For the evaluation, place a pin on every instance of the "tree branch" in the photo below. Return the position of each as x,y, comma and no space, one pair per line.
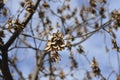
5,68
37,68
25,22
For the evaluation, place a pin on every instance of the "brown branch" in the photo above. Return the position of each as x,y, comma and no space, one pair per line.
25,22
1,67
30,36
5,68
51,70
40,63
89,34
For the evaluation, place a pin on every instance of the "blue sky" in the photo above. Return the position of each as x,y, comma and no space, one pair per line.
94,47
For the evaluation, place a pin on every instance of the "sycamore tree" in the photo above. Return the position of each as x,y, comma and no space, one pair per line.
51,30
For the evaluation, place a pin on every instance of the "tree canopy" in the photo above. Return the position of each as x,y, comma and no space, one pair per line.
59,40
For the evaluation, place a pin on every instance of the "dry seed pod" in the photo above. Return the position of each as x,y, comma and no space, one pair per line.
5,12
74,12
59,11
68,16
80,49
56,42
47,21
17,25
45,5
102,10
96,25
58,24
89,75
76,20
92,9
63,18
30,7
62,74
68,6
74,63
92,3
95,68
41,14
22,4
55,57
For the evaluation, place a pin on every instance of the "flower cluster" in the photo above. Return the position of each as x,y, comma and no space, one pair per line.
116,16
55,44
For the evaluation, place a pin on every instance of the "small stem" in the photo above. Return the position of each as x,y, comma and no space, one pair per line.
118,59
